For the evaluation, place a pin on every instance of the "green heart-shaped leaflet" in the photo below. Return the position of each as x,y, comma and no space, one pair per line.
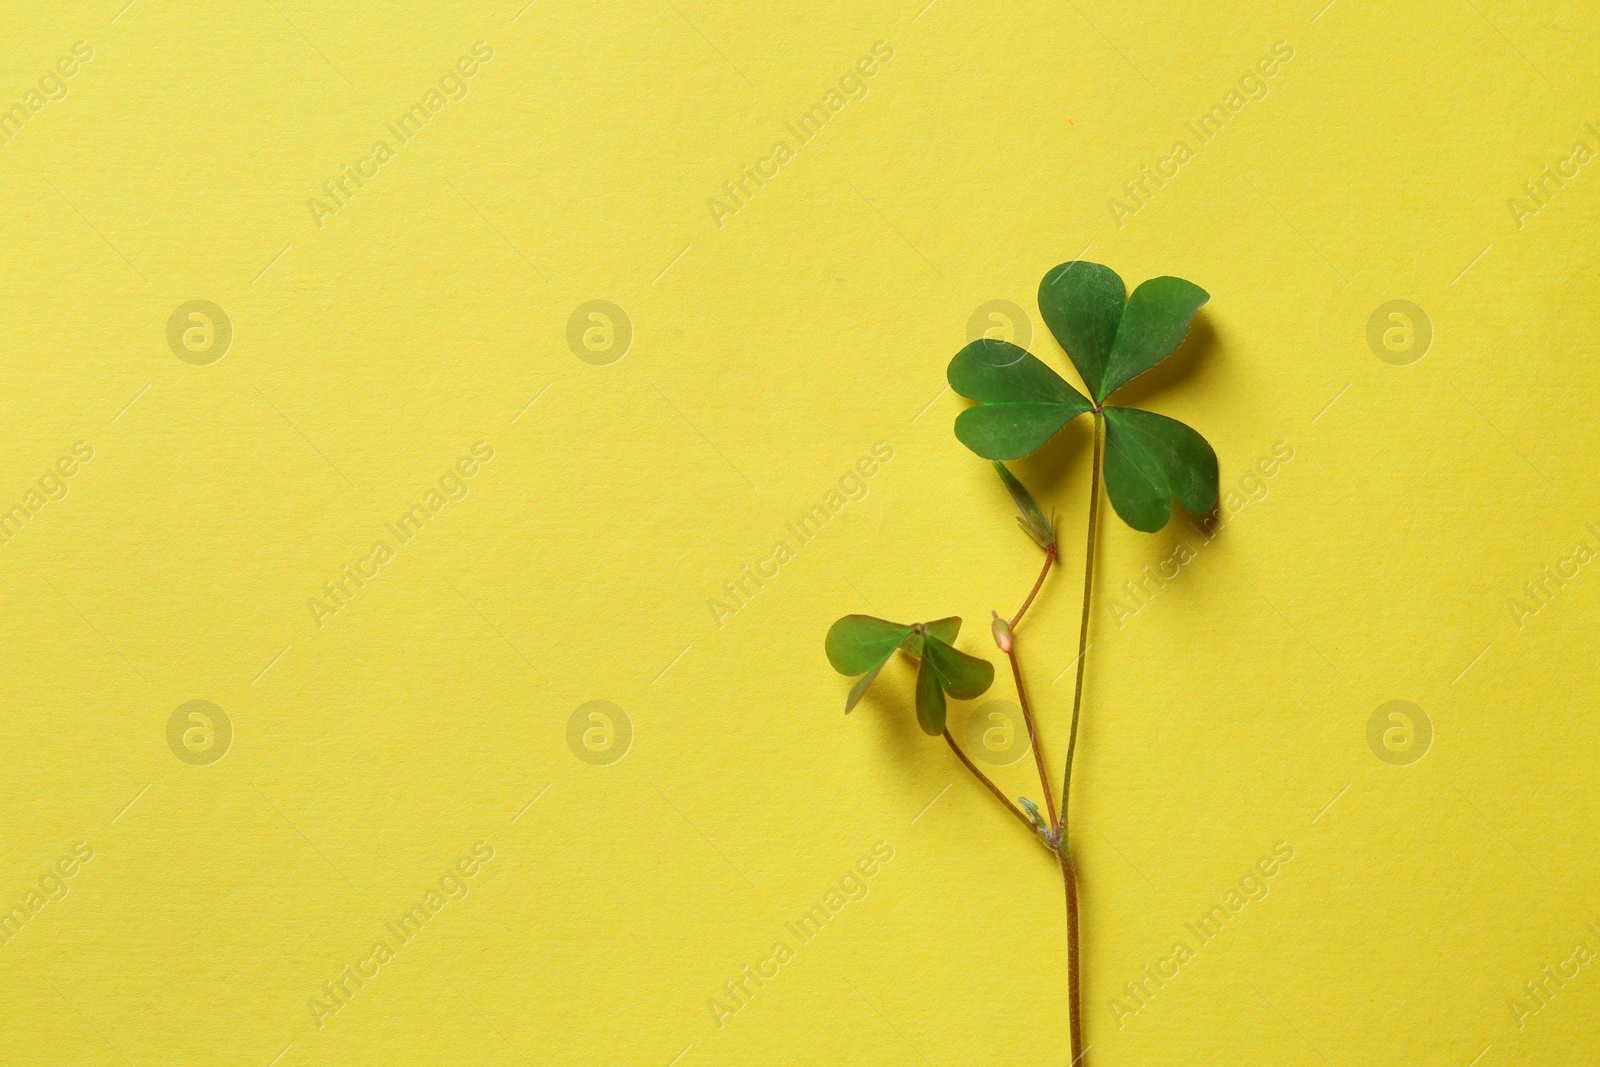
1149,460
1022,402
930,700
1082,304
1155,321
946,669
862,644
1109,338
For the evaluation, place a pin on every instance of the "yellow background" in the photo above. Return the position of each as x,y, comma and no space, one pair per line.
769,354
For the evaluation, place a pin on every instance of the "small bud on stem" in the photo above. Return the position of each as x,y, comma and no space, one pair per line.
1030,516
1002,633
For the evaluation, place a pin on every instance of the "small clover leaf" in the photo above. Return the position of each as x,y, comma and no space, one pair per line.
1111,338
943,629
862,644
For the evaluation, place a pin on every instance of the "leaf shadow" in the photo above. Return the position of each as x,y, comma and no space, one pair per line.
1189,363
1046,471
893,697
1066,457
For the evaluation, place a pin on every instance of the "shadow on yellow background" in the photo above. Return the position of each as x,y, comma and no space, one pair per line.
394,393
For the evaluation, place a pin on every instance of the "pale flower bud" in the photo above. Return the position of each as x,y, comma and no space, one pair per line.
1002,633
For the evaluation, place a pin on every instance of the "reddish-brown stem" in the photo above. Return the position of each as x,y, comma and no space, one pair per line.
1022,692
1033,736
984,778
1049,558
1074,1013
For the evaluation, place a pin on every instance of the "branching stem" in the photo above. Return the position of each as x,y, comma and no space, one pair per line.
1049,558
1033,739
1022,692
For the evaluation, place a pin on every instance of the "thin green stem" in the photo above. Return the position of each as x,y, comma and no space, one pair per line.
984,778
1083,628
1069,877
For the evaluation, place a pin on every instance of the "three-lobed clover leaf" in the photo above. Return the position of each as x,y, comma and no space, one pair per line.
862,644
1111,338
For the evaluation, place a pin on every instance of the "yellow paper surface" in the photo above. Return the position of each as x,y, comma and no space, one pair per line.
398,347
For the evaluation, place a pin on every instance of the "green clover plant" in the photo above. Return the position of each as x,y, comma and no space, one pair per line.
1111,338
861,644
1147,461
